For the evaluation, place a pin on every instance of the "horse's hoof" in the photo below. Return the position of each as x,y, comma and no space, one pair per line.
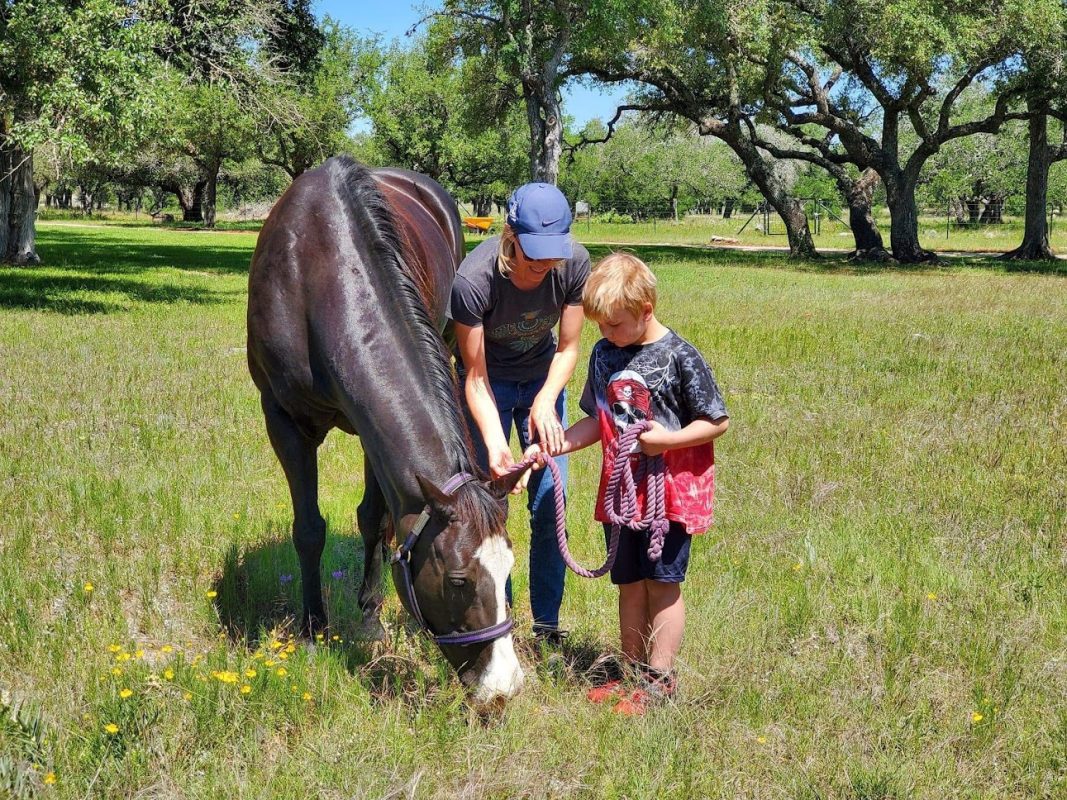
371,630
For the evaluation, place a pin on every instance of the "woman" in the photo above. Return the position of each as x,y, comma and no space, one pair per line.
509,295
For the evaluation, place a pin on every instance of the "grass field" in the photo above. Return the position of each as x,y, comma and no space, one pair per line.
880,611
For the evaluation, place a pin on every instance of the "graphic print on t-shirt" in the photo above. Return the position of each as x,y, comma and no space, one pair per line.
668,382
629,400
530,330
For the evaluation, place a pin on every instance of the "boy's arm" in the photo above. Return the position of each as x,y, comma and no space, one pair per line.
578,436
699,431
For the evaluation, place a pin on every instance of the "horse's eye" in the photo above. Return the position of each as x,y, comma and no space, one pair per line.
457,580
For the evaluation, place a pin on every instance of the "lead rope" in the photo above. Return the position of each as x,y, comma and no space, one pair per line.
620,506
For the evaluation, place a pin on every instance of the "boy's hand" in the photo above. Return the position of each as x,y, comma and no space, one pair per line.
655,441
536,452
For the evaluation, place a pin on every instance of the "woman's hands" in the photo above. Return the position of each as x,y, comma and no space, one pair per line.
546,425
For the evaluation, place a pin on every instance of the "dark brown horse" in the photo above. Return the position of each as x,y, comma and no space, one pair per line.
346,299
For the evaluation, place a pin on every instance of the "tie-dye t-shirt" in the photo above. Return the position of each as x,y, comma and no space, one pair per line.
667,381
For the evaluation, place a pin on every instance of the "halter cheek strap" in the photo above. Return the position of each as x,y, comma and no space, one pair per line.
402,558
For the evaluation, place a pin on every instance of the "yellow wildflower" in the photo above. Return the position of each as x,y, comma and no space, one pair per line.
245,689
275,645
211,594
290,648
187,696
88,589
307,695
931,595
761,739
977,717
283,655
168,674
111,728
797,567
281,672
225,676
126,693
250,673
114,648
139,654
122,657
50,778
166,649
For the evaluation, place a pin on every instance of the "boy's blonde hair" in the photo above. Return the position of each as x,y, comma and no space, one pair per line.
618,281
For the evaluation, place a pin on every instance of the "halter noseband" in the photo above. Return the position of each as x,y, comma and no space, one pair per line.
402,557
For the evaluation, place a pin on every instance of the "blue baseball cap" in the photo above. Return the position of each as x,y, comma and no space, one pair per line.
541,217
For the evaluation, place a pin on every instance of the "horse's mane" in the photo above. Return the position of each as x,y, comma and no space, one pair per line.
372,215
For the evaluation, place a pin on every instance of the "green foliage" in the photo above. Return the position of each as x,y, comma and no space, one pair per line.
423,118
72,74
642,167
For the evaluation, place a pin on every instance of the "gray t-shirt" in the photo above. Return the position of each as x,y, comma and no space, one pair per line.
520,337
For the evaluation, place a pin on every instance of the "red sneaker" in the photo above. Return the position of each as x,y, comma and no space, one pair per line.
633,705
605,691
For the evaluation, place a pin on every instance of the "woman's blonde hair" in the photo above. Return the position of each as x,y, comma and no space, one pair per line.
618,281
506,251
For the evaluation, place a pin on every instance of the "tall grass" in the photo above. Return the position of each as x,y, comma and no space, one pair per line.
880,611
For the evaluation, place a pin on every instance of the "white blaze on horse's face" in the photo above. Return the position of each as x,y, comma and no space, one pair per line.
503,674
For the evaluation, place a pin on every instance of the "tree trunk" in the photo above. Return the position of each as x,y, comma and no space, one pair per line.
1035,245
769,183
546,133
483,206
210,195
728,208
18,210
189,200
904,226
859,194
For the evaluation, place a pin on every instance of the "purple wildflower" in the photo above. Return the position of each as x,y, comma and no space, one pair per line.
338,574
286,578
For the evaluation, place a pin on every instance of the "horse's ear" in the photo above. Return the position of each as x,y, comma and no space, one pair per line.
436,499
500,488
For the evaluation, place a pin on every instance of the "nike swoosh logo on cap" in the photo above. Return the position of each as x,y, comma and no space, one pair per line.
546,222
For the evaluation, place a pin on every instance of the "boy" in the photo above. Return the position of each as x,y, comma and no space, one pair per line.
641,370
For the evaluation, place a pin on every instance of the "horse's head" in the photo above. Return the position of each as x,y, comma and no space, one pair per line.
459,565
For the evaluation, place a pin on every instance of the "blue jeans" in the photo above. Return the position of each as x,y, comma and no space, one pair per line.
547,570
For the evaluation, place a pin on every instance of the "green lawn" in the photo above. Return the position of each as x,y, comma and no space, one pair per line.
880,611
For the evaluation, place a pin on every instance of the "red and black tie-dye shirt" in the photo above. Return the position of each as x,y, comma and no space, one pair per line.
667,381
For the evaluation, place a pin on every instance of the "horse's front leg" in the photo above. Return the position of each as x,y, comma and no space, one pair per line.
371,518
298,455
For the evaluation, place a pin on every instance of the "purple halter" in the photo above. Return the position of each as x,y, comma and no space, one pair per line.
402,558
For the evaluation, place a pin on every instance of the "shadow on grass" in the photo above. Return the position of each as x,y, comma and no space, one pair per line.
40,288
697,256
259,596
103,251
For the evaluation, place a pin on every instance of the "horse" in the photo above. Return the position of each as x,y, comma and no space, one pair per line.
347,292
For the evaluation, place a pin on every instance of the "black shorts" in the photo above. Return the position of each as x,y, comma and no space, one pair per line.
632,563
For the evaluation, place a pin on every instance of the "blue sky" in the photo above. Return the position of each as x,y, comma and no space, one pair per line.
393,18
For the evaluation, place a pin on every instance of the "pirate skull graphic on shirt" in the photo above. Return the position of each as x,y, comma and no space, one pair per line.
629,399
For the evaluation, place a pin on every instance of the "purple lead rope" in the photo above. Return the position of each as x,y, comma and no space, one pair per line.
620,503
